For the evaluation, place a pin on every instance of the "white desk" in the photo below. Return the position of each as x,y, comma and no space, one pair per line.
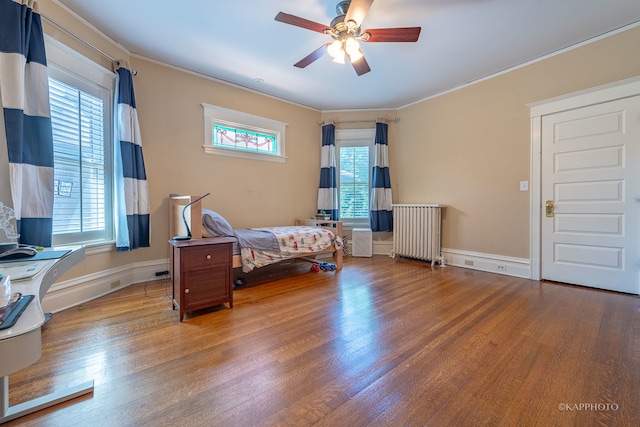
21,345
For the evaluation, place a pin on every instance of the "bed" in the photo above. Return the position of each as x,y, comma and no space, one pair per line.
258,247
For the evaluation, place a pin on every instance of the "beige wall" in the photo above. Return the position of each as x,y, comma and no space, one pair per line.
470,148
467,149
248,193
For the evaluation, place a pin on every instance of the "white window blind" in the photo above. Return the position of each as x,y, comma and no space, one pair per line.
81,98
354,157
77,120
354,182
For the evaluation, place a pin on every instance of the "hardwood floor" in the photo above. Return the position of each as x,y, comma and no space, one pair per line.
382,342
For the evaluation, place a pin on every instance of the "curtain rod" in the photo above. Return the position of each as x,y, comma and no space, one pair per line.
83,41
322,122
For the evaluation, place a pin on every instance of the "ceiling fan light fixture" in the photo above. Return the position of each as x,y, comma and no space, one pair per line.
355,56
335,49
351,45
339,58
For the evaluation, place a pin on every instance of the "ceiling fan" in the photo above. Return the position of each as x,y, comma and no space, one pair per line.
346,33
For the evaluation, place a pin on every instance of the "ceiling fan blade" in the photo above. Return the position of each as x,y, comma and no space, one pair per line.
357,10
301,22
316,54
409,34
361,66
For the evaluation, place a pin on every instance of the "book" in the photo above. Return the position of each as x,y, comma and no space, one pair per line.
11,312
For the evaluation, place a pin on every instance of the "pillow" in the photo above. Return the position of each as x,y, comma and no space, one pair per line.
215,223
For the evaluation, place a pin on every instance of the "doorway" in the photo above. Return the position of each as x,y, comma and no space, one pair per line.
585,201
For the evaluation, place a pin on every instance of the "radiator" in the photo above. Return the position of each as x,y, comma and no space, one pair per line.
417,232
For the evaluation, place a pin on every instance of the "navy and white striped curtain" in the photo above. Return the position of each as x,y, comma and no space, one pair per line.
132,193
328,191
381,212
24,89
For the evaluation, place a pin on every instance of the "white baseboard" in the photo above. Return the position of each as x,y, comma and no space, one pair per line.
382,247
510,266
517,267
70,293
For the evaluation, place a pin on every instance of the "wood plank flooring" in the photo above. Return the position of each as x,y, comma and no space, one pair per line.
380,343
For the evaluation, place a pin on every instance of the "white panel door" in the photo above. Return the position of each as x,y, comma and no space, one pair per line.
591,176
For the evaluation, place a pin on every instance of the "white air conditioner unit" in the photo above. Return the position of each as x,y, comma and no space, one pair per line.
361,242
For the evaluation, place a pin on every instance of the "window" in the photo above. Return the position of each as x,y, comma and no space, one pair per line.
355,158
354,182
243,139
236,134
81,121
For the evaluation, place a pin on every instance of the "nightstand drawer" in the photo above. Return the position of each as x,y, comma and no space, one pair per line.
205,256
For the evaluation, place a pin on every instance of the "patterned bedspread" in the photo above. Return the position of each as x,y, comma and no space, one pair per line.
294,241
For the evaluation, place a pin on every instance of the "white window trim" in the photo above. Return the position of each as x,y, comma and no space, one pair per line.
78,65
63,59
356,137
224,116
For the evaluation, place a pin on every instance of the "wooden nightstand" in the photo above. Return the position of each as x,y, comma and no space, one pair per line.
202,273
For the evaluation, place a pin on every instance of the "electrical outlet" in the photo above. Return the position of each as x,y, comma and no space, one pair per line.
468,262
501,267
115,284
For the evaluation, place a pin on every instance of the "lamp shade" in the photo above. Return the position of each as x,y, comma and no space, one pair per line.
335,48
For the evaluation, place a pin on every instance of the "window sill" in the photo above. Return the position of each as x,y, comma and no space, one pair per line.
243,154
350,225
99,247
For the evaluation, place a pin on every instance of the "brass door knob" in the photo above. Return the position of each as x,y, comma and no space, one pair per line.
548,206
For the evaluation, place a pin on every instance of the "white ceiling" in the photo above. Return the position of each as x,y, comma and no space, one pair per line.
238,41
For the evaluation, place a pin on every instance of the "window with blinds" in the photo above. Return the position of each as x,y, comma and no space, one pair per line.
354,182
354,155
81,104
80,145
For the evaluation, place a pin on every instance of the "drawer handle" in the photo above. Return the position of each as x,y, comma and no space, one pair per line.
208,256
186,291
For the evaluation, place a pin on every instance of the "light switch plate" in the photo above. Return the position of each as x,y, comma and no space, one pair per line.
524,185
